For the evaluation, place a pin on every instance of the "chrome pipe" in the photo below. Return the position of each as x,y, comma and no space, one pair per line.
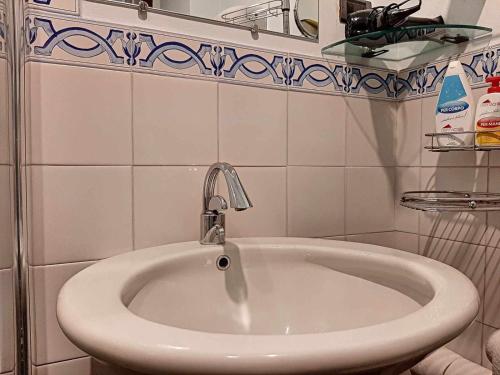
285,7
16,45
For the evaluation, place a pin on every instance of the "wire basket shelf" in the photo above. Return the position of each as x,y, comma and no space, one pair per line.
472,145
253,13
451,201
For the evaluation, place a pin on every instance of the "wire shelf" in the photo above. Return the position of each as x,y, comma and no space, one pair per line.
472,145
252,13
450,201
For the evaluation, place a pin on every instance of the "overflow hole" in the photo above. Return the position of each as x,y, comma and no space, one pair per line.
223,262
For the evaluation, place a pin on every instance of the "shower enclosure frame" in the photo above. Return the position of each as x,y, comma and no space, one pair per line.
15,51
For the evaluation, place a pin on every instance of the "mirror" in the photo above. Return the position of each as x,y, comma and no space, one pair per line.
306,18
289,17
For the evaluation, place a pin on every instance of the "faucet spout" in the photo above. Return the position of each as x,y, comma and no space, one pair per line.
212,216
238,197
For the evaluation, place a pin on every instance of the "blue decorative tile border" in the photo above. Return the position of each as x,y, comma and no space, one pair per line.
72,40
427,80
239,64
344,79
58,38
69,40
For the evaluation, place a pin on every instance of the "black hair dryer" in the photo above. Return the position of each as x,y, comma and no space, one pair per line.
381,18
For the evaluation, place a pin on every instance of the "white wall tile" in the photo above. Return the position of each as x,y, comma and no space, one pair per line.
396,240
406,242
79,213
371,128
469,343
444,159
461,226
407,179
6,218
492,285
7,332
81,366
494,158
467,258
175,121
102,368
369,200
380,239
167,204
487,332
252,125
79,115
315,201
266,187
50,343
5,147
408,145
316,129
492,236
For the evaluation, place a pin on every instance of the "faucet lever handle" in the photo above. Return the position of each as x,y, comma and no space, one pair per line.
217,203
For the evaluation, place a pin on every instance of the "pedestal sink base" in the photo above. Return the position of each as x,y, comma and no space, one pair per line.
101,368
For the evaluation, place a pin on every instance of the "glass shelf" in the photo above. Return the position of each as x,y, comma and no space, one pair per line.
401,43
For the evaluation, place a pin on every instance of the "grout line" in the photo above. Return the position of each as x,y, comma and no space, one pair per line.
218,121
346,126
287,145
455,241
419,214
78,262
63,361
132,112
489,325
377,232
406,232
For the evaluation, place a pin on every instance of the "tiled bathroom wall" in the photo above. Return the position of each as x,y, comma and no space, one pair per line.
123,122
119,141
468,242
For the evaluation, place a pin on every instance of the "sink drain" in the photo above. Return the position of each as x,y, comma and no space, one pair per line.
223,263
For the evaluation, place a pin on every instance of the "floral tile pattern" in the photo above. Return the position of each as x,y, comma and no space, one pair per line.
253,66
427,80
66,40
118,47
339,78
169,54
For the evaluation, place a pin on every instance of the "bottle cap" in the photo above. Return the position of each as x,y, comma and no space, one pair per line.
495,84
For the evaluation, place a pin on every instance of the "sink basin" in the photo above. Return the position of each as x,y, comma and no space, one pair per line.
265,306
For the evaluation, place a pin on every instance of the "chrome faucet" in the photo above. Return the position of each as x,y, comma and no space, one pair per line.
213,218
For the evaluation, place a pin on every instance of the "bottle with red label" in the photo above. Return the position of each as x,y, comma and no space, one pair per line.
488,115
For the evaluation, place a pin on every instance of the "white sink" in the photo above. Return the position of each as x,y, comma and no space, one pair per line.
284,306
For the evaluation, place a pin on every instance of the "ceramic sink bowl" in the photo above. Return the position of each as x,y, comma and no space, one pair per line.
268,306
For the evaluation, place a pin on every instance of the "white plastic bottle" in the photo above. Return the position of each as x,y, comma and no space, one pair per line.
455,109
488,115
